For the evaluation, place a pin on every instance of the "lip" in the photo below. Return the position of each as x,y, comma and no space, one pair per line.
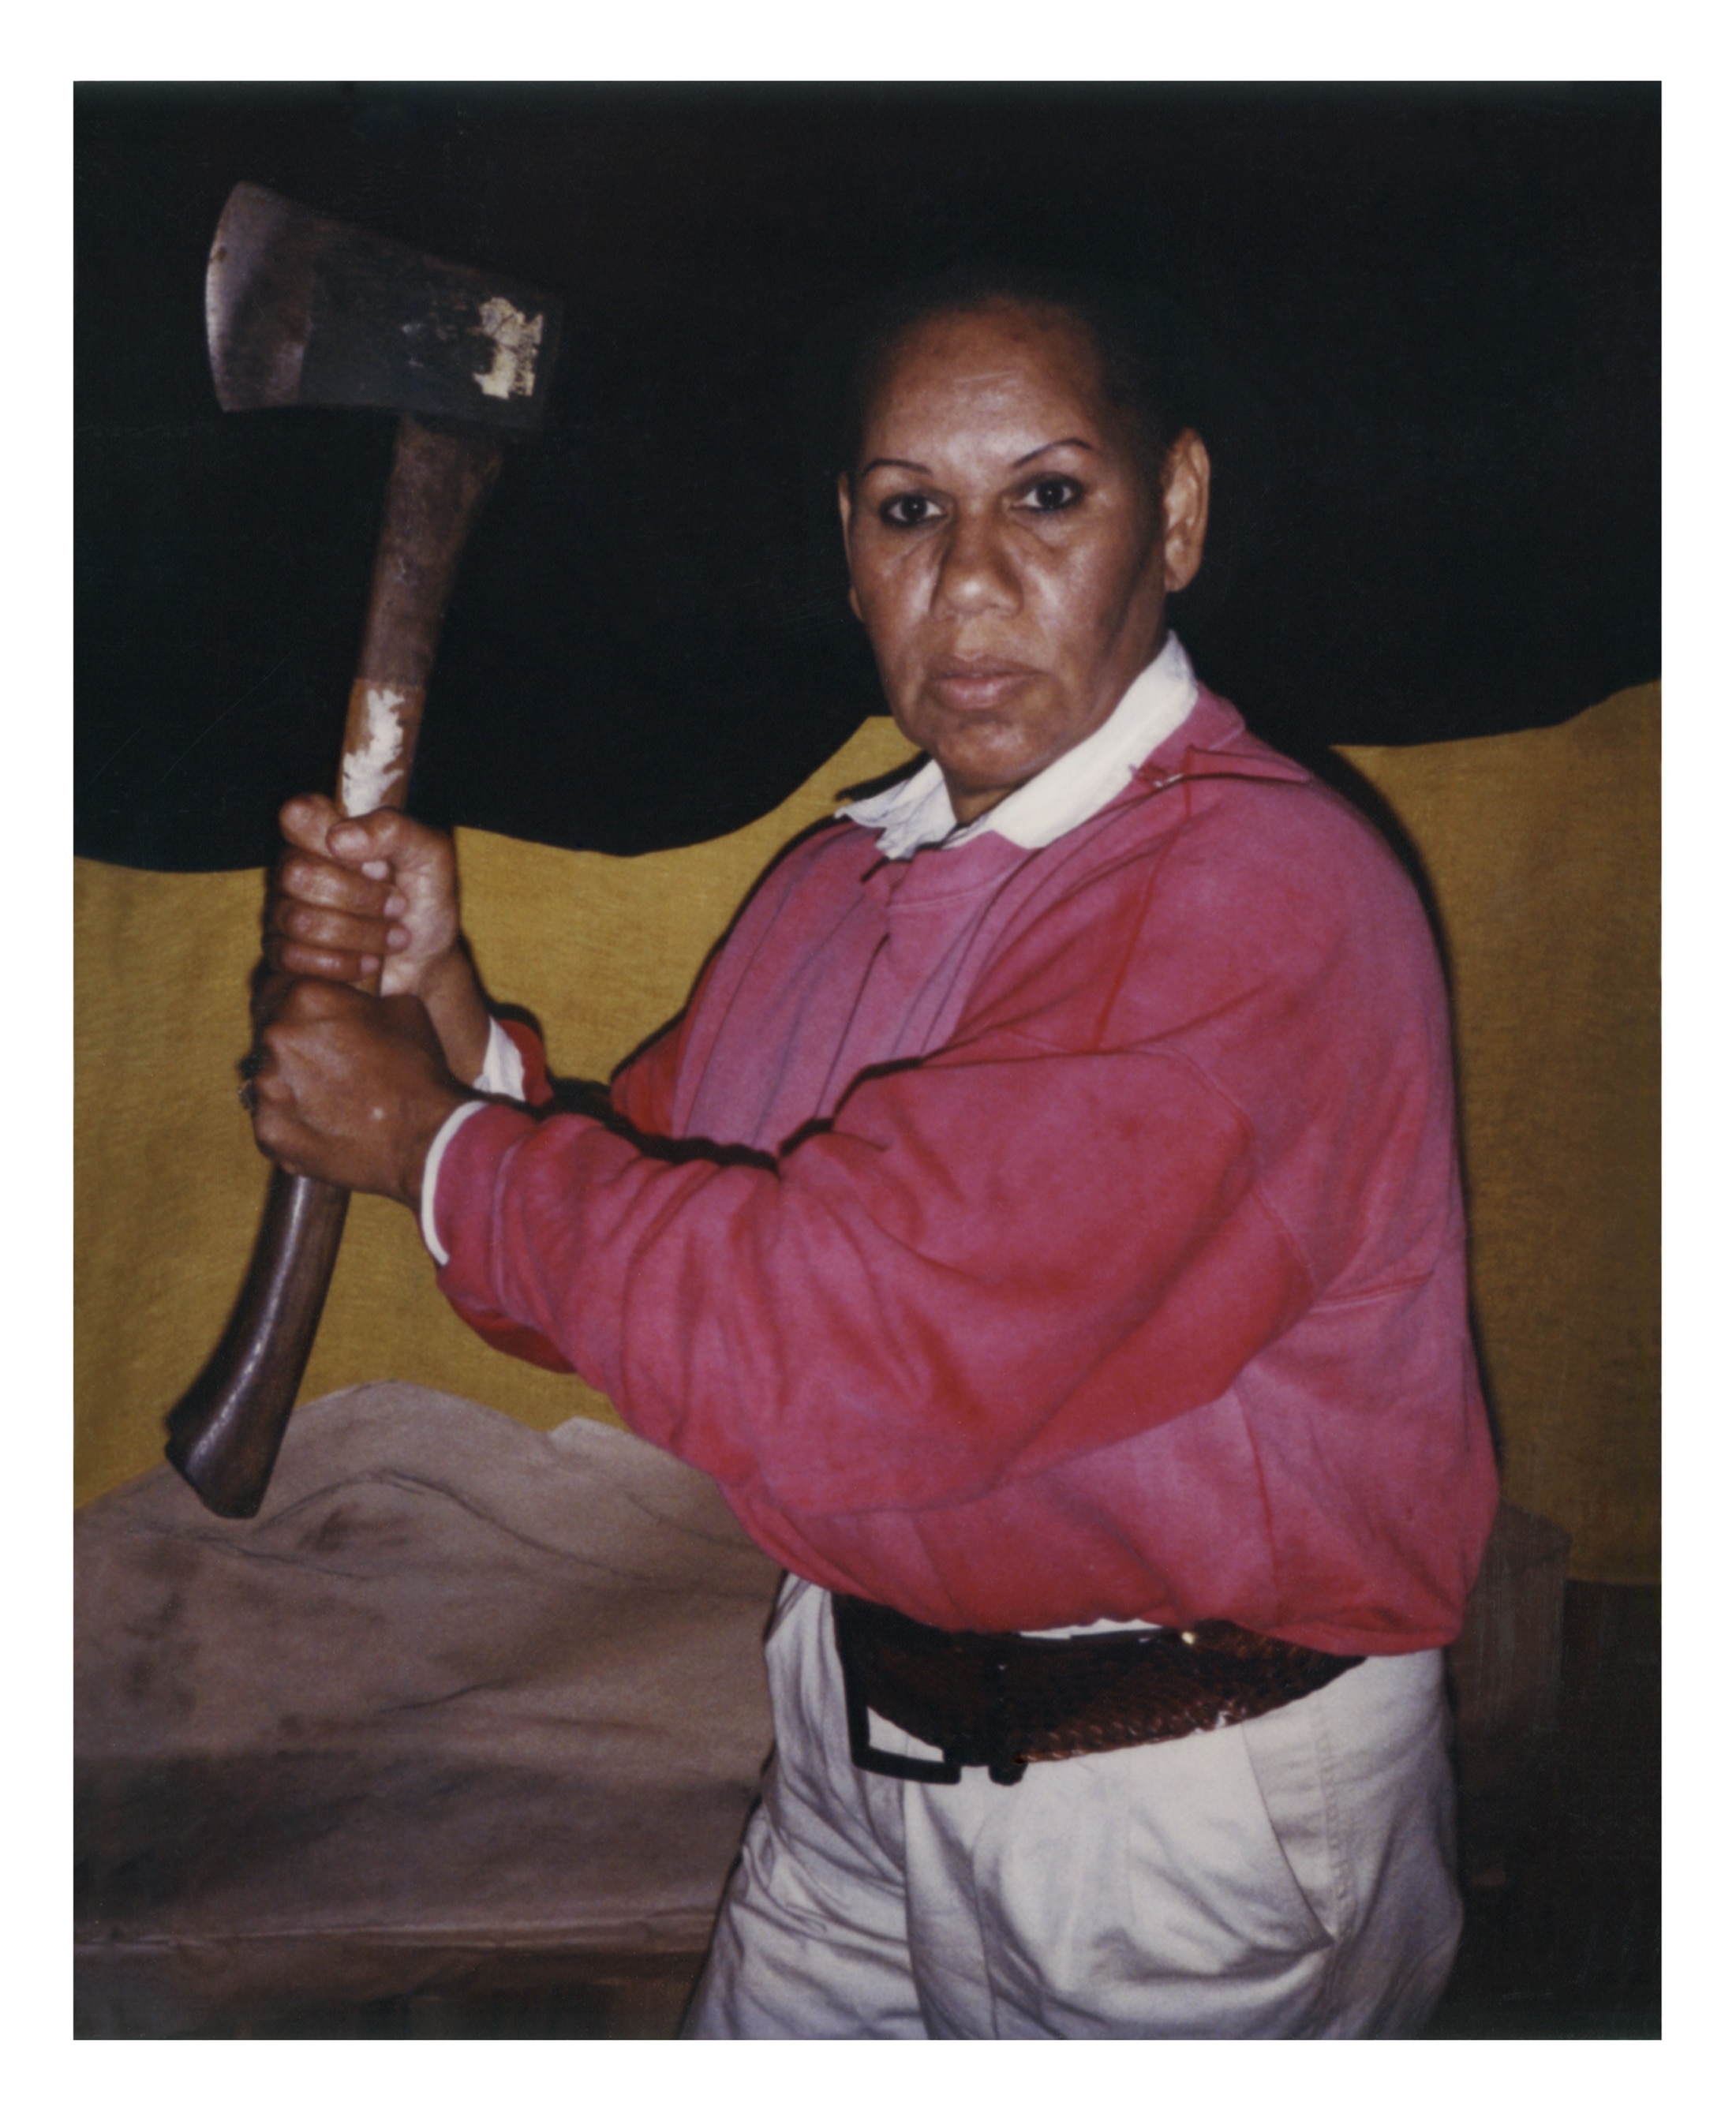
970,686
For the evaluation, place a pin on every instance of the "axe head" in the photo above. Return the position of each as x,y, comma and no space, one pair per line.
302,311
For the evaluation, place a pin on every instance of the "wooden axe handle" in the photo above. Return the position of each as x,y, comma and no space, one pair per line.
224,1431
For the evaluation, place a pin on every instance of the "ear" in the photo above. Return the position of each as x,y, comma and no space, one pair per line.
1186,504
846,512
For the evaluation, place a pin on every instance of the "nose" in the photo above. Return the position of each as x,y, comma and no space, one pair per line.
977,570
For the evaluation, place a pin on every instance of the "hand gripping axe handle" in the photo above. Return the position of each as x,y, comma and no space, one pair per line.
302,311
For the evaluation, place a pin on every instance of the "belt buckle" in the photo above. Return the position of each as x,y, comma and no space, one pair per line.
864,1753
1002,1767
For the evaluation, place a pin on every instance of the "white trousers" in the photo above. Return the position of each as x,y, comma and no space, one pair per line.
1289,1878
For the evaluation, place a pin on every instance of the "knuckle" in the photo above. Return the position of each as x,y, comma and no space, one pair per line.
317,998
310,926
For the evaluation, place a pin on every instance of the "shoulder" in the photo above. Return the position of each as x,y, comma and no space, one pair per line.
1292,854
1226,872
1219,828
1234,803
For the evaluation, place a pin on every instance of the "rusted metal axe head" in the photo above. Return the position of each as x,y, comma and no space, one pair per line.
303,310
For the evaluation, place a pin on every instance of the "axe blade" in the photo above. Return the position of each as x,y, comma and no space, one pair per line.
301,310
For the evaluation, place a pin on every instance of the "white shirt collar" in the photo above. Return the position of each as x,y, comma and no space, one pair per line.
918,813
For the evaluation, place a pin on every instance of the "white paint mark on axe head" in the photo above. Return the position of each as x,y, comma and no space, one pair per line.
516,339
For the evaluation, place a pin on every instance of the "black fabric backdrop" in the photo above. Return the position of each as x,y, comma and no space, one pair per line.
1434,311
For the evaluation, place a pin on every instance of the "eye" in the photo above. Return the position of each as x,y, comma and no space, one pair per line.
905,511
1050,494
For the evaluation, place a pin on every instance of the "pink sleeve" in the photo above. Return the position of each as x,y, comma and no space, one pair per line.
643,1090
990,1261
499,1332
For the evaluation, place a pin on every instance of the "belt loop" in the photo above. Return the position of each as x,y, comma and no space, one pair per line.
1004,1765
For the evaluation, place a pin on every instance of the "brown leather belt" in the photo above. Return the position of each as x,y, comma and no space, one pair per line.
1000,1702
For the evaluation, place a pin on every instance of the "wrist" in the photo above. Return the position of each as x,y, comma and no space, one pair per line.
419,1138
449,989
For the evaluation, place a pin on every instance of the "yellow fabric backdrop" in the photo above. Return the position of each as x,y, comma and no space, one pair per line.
1541,849
1541,852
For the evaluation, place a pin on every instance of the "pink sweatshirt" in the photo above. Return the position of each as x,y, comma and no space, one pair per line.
1023,1237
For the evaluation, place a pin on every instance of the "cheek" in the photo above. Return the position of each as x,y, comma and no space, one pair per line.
1093,588
1065,611
892,602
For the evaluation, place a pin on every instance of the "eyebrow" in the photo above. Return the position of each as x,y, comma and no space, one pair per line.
905,463
1066,442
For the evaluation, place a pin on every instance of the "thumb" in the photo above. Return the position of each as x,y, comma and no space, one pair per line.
386,843
305,820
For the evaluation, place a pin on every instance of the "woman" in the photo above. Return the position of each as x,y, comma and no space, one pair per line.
1068,1284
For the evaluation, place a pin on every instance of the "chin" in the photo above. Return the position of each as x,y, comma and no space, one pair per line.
985,762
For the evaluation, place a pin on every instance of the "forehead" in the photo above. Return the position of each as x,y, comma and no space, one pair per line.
1004,364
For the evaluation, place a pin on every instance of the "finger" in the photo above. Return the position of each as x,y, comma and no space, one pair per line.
323,1001
276,1133
324,928
343,968
272,1093
271,1105
305,821
385,844
291,1005
312,880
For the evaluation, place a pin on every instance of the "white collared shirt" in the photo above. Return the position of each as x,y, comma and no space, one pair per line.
918,812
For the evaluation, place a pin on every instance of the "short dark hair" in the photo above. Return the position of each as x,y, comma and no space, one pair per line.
1143,347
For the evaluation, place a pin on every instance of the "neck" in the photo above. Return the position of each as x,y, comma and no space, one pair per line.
970,803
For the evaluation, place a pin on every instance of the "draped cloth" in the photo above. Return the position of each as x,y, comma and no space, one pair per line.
461,1693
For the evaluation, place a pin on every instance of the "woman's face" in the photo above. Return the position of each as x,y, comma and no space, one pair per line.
1010,553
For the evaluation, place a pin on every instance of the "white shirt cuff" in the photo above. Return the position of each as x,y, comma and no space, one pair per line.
430,1175
503,1067
503,1076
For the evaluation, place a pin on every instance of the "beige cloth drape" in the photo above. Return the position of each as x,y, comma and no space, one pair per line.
1540,852
460,1697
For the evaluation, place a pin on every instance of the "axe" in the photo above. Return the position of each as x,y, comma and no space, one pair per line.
302,311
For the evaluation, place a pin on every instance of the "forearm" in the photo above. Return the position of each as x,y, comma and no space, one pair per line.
452,994
880,1317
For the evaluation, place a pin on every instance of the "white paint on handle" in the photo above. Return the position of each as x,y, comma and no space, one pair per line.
370,767
516,339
